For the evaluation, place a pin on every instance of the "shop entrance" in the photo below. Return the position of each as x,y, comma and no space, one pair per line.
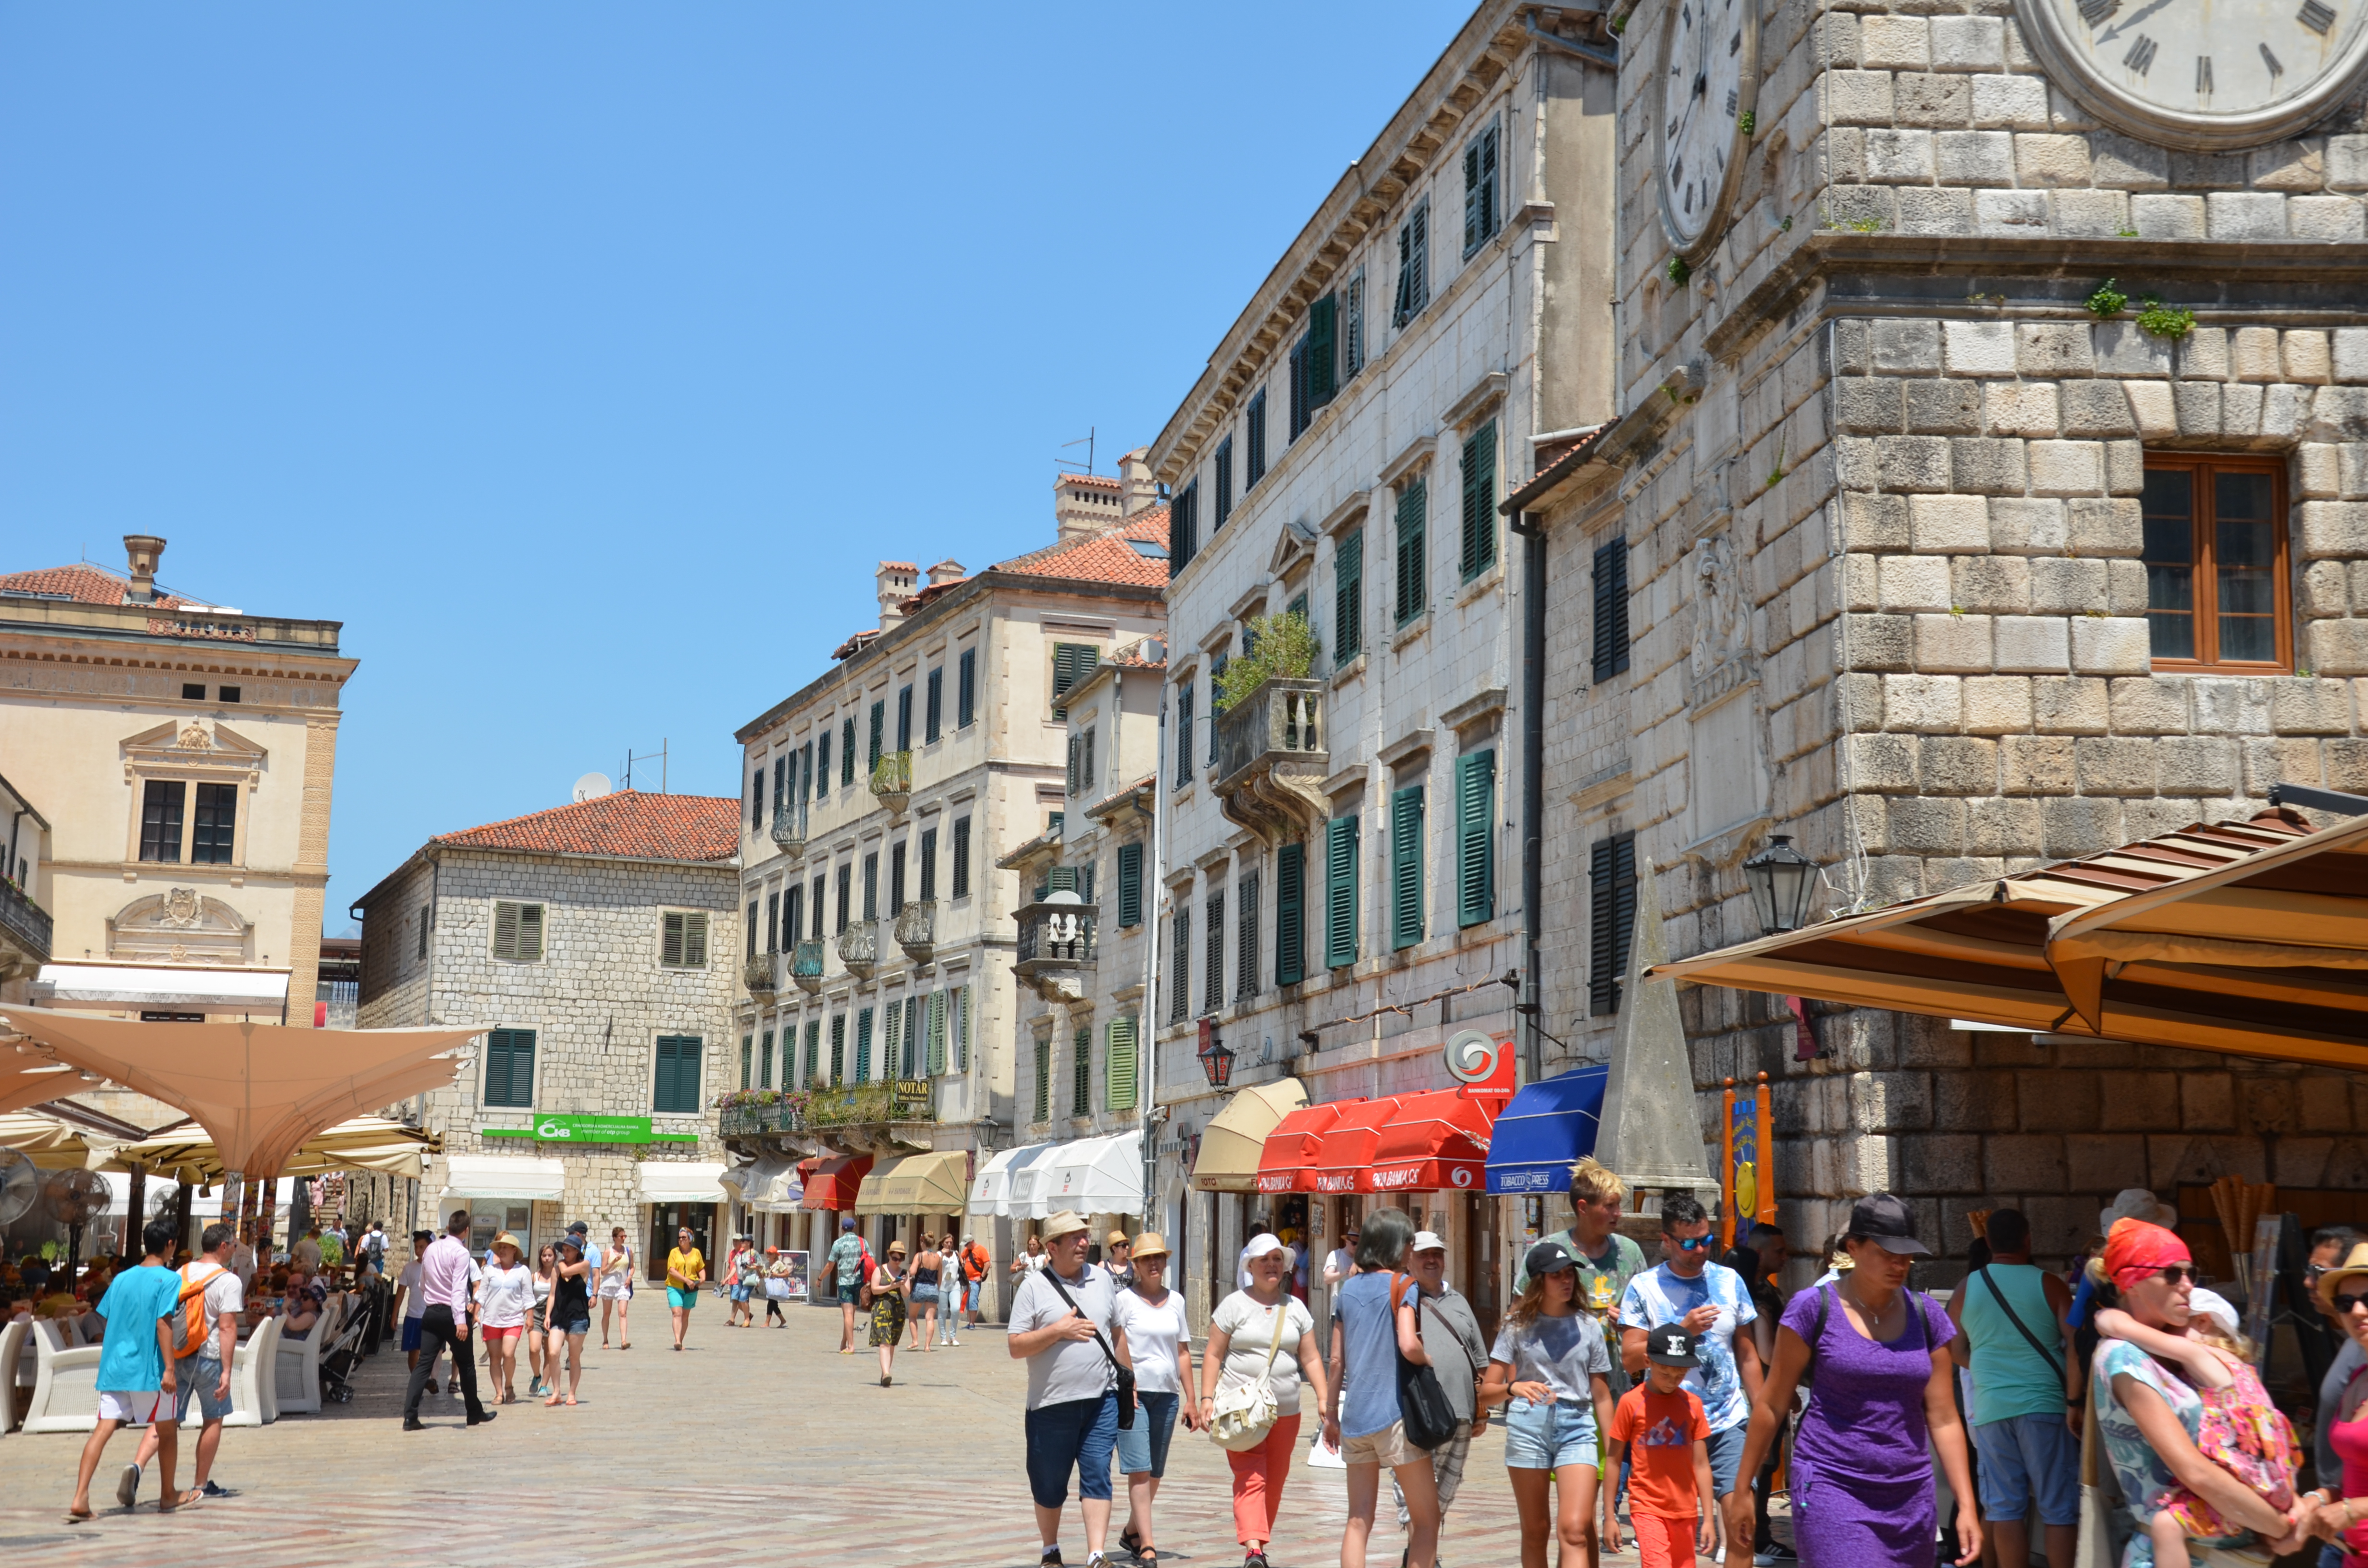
665,1218
1483,1262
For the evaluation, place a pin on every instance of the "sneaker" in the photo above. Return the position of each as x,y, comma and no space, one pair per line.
216,1489
127,1485
1052,1557
1256,1560
1096,1560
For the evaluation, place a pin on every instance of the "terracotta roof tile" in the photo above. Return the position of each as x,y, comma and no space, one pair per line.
1105,555
83,583
630,822
1099,481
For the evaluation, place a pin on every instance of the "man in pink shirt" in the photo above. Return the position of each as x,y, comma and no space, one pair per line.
444,1286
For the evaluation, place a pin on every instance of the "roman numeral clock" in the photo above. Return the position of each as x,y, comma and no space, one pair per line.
1709,71
2202,74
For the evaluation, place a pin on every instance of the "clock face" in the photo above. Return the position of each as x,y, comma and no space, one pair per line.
2201,74
1710,79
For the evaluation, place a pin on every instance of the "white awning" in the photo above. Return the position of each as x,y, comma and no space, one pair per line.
992,1183
184,987
503,1175
1091,1176
1017,1197
767,1186
682,1181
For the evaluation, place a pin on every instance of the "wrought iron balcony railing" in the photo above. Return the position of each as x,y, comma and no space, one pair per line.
26,923
805,966
759,1119
858,948
756,975
789,829
892,780
873,1104
916,928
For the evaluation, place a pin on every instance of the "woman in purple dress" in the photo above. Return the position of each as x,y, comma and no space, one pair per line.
1876,1354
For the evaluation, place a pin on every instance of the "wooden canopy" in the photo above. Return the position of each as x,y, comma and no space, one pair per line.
2246,937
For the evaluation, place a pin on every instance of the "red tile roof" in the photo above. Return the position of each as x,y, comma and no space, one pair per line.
1099,481
629,822
83,583
1103,556
847,649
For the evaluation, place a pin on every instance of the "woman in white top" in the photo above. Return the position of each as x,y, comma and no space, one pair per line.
505,1300
1161,1343
1249,1335
616,1287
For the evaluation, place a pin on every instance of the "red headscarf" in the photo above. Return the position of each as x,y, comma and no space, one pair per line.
2136,1249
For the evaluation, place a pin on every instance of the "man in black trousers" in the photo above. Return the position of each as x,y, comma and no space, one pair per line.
445,1325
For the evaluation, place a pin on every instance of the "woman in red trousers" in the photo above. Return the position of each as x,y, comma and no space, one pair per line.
1258,1332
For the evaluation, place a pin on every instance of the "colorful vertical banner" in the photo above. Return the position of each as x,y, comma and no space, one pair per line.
1745,1141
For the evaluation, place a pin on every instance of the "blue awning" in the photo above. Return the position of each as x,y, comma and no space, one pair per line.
1548,1126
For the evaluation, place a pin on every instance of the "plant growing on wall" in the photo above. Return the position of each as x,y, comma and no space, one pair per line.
2165,320
1273,647
2107,302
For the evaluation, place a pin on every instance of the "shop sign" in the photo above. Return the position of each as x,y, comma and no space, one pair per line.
591,1130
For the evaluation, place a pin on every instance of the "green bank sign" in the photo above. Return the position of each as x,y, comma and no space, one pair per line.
591,1130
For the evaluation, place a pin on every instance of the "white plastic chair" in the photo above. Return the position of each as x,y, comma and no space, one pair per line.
253,1396
12,1346
65,1385
297,1386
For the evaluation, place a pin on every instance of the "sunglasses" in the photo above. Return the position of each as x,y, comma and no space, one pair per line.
1692,1243
2344,1301
2172,1273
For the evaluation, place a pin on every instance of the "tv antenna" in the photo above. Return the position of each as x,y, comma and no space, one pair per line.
1086,441
660,753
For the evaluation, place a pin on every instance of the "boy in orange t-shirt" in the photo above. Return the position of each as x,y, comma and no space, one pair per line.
1660,1428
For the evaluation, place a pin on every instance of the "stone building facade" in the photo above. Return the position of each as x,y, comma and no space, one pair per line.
595,942
882,798
1343,873
1921,539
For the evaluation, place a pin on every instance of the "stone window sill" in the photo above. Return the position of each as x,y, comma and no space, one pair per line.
1352,670
1488,582
1410,631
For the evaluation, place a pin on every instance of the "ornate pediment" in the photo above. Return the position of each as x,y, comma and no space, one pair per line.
179,926
192,745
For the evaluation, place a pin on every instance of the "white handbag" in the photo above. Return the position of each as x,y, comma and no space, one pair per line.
1241,1417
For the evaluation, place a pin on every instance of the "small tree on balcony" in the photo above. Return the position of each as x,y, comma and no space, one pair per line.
1274,647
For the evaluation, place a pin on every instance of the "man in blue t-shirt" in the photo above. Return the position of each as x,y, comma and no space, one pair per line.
142,1308
1710,1301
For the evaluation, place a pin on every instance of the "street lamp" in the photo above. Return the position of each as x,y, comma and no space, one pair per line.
1781,878
1215,1060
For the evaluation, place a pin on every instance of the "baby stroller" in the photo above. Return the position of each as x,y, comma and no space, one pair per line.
341,1355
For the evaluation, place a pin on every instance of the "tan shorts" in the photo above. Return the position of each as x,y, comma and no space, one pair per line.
1386,1447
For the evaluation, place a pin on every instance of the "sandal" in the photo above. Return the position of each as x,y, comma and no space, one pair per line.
1131,1540
173,1505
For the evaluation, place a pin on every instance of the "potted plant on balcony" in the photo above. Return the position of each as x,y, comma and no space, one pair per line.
1274,647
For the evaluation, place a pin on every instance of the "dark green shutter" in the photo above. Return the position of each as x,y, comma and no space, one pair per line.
1044,1079
1348,597
1179,961
1413,597
1323,350
1081,1073
1130,884
1611,610
676,1090
510,1068
1406,867
814,1052
879,724
1340,892
838,1048
864,1045
1612,918
1480,501
966,690
847,751
1118,1066
1291,915
748,1060
1072,662
1476,838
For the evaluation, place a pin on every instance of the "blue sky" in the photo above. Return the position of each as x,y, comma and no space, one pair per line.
584,358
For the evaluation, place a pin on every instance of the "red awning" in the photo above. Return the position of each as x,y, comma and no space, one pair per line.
831,1184
1342,1164
1436,1141
1286,1162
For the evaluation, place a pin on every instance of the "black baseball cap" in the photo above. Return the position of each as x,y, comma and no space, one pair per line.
1885,1221
1670,1346
1547,1257
580,1226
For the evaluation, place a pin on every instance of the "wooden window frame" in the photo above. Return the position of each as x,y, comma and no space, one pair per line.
2204,559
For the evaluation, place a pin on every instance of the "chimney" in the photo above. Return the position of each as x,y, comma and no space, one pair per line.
946,572
899,581
1084,504
1137,490
144,549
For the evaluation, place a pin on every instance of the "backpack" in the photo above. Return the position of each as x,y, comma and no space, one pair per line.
190,1337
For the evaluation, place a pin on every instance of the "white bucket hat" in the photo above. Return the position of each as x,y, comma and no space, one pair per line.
1259,1245
2136,1203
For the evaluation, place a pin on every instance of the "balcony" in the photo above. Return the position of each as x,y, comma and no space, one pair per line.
858,948
756,975
916,928
790,830
885,1117
805,966
1271,760
760,1113
1056,940
23,932
891,780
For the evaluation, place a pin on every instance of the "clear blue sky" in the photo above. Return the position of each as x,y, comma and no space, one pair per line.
582,360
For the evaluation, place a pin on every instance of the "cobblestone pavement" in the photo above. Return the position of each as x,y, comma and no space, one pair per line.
751,1446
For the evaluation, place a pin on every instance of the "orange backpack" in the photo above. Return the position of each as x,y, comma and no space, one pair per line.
192,1336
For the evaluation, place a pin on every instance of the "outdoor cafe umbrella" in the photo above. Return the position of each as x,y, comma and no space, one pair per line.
29,1079
2247,938
361,1144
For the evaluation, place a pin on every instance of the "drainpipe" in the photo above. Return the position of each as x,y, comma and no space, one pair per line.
1534,786
1148,1028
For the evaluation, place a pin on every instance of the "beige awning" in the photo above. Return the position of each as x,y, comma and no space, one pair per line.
48,1142
259,1090
1236,1136
2245,938
362,1143
30,1079
916,1183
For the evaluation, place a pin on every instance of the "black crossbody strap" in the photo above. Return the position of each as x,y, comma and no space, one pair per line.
2045,1354
1053,1279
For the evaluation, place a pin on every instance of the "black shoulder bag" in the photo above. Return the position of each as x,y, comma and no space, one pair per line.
1422,1402
1999,1296
1125,1375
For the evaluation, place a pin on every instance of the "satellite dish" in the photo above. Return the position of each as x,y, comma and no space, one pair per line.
76,1197
592,786
20,1183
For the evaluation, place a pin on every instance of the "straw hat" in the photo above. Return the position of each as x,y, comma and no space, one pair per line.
509,1241
1150,1243
1064,1223
2353,1268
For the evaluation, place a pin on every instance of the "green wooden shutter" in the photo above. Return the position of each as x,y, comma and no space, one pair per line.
847,751
670,941
747,1062
1610,638
879,724
937,1032
1480,502
1348,597
1130,884
1340,892
1406,867
892,1046
1118,1066
676,1090
510,1068
814,1052
1081,1073
1072,662
962,1029
1291,915
1179,961
839,1048
1323,350
1611,919
1044,1079
1413,586
864,1045
1476,838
